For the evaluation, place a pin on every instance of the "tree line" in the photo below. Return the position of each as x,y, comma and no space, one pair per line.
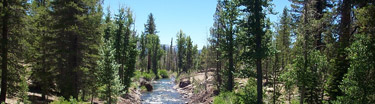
71,48
320,51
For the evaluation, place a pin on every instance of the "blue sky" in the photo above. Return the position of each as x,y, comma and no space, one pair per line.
193,17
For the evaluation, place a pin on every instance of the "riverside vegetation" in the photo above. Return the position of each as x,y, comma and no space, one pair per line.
70,51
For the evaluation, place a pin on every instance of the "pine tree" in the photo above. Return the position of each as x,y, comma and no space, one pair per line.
43,73
181,49
215,39
119,43
254,32
76,43
342,62
13,46
189,53
357,84
154,48
228,18
129,49
150,28
283,38
143,51
108,72
282,45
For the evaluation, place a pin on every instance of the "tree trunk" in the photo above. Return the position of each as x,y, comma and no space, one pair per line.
4,55
148,62
318,6
231,61
218,63
266,69
258,40
275,77
92,96
303,89
109,94
344,42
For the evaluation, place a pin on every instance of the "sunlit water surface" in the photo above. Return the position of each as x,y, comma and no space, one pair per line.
163,93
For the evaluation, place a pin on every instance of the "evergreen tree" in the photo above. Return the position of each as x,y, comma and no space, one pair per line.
143,51
43,72
14,43
76,42
181,49
215,41
108,72
129,49
342,62
150,28
228,18
189,53
119,43
283,37
357,84
154,48
254,32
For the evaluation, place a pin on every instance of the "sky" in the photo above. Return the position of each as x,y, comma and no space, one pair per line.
193,17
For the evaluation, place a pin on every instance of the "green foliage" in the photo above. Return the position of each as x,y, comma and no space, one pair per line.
311,76
154,51
181,52
125,44
189,53
163,73
76,43
358,84
148,76
229,17
71,100
23,91
289,78
248,94
108,72
226,98
150,27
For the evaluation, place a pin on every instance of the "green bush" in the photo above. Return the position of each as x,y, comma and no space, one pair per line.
148,76
70,101
143,89
248,94
137,75
226,98
163,73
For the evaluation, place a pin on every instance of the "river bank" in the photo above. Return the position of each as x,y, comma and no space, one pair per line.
196,87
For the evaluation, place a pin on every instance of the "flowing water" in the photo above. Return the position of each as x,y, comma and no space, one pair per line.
163,93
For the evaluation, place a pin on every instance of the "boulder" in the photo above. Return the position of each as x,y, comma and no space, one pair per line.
147,84
184,82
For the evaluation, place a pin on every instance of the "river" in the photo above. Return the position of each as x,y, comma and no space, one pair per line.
163,93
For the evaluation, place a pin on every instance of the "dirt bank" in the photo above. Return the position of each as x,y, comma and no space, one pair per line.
196,87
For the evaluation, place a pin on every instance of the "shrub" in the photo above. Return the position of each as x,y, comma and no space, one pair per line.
163,73
137,75
143,89
226,98
148,76
70,101
249,93
246,95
